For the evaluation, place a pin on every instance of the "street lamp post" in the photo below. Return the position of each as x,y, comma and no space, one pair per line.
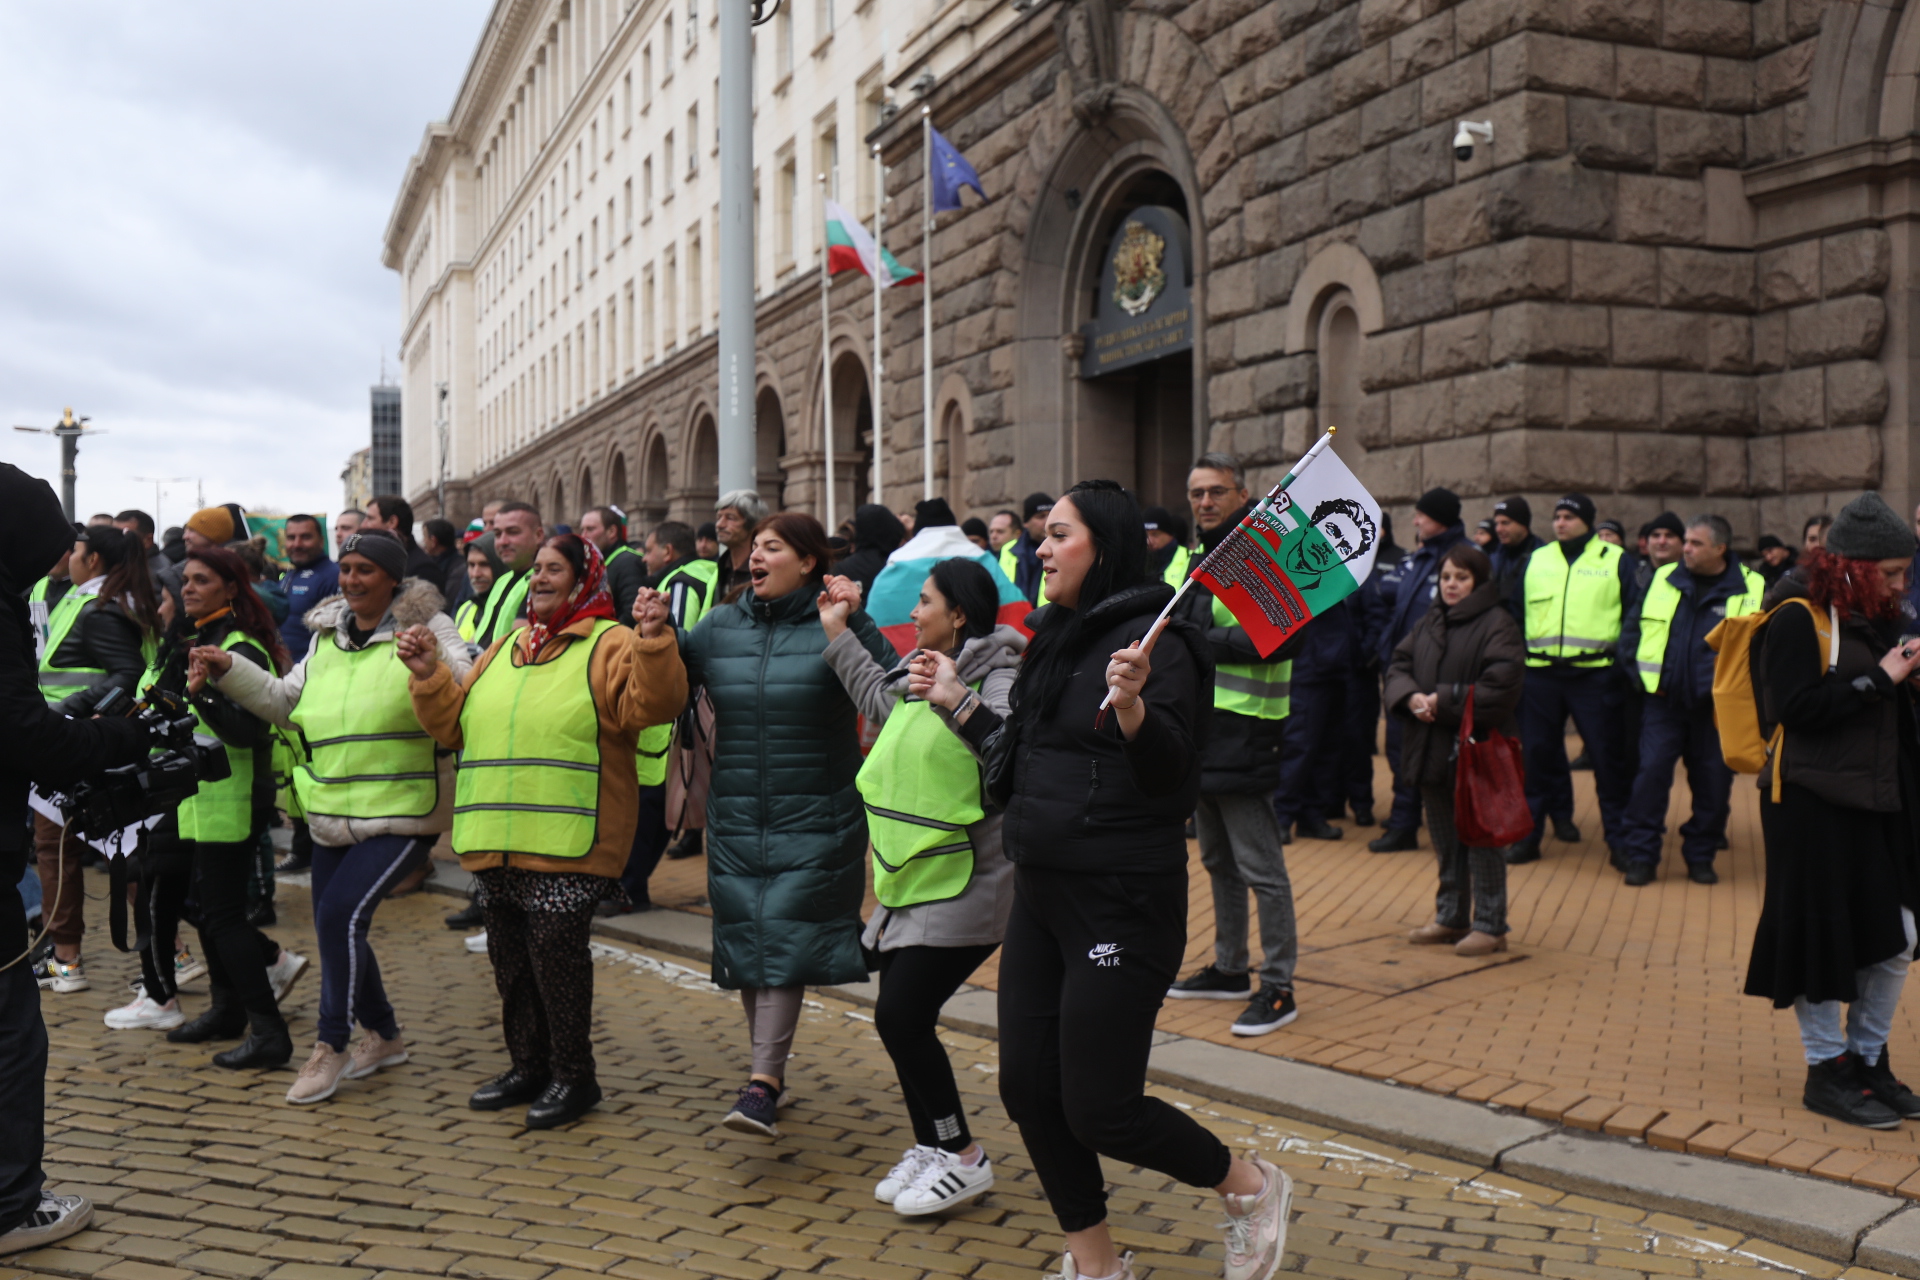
68,432
157,482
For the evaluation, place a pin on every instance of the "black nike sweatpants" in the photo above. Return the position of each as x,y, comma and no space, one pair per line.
1084,970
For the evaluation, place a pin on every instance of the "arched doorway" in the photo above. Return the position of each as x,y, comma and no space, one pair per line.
852,436
769,437
560,513
586,489
703,478
617,492
653,480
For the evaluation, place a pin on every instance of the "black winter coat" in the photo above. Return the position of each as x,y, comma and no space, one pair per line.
103,637
40,745
1084,798
1837,873
1473,645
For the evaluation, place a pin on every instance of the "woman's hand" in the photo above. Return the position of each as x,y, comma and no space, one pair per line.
839,599
419,648
650,614
196,674
210,660
933,676
1421,706
1127,673
1898,663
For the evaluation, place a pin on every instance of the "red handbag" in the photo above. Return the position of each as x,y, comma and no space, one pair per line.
1489,791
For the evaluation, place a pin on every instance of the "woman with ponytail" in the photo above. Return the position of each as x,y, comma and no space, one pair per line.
1838,796
1096,805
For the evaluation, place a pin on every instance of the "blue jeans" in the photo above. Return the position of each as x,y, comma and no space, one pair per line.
1869,1017
30,892
348,884
1669,734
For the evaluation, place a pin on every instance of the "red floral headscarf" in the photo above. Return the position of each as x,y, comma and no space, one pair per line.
589,598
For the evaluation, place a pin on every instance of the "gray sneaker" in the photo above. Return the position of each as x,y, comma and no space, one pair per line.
57,1218
1257,1226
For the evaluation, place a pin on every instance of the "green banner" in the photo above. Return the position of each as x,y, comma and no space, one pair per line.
273,527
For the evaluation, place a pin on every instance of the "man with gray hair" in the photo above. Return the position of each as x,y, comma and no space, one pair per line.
1663,642
734,519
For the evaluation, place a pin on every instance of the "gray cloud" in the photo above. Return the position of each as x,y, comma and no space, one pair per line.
194,197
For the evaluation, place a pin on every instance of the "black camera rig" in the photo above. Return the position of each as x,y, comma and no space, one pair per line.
181,760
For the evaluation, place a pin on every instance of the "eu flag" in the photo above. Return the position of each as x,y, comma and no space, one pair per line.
950,173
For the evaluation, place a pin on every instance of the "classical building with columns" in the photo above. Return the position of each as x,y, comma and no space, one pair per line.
1678,273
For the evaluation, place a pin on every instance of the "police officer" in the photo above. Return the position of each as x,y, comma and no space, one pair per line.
1576,596
1665,640
1240,837
1436,521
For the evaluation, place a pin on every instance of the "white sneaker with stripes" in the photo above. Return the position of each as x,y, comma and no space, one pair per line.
944,1182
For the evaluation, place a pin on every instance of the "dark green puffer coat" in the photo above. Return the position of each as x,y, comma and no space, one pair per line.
786,831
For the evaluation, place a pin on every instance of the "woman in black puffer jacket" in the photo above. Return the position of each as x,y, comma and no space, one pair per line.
1095,818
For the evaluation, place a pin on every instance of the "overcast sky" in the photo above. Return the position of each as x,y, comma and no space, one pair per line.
194,195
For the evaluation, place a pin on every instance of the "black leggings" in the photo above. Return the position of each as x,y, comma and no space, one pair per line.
237,953
1087,965
914,983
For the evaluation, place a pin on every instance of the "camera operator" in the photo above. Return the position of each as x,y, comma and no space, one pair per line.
100,636
40,746
210,840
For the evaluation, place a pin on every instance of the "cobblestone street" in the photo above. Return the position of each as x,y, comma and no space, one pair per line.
196,1171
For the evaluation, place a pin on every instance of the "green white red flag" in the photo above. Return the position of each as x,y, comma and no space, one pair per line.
1304,549
850,247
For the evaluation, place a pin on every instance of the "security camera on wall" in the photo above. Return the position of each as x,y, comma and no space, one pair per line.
1468,131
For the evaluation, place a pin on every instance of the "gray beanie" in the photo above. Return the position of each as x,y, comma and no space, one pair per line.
382,548
1868,529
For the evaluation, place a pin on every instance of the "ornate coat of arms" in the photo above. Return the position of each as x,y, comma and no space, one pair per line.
1137,275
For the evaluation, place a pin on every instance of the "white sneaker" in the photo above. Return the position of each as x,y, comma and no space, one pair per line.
1257,1226
57,1218
320,1077
284,972
944,1183
901,1176
1068,1271
143,1014
60,977
477,943
374,1052
187,966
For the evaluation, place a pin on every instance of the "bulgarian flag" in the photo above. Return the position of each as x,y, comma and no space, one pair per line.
850,248
897,590
1301,551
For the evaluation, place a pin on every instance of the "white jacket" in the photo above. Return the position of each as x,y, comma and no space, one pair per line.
273,697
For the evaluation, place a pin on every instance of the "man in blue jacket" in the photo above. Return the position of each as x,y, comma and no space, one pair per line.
1663,646
1436,522
312,579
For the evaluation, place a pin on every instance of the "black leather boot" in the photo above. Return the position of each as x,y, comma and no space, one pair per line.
563,1104
268,1044
1835,1089
506,1090
1879,1078
225,1020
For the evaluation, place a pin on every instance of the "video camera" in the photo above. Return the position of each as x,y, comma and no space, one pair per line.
181,760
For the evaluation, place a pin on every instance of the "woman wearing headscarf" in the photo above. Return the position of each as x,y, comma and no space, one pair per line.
786,832
546,723
100,636
1838,795
877,534
376,789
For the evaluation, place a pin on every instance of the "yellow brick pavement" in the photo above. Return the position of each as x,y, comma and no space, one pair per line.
201,1172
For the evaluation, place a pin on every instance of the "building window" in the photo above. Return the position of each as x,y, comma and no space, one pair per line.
693,139
626,201
646,188
648,318
666,172
646,77
693,23
826,158
695,312
786,198
823,14
609,226
670,298
783,32
666,49
626,104
626,332
596,242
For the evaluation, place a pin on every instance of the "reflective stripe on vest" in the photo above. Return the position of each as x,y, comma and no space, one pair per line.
529,779
222,812
704,573
1263,690
503,607
369,757
1178,567
1663,601
57,683
1573,610
921,785
466,620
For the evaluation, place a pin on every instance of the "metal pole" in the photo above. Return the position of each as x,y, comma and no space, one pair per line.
926,305
826,359
736,426
69,450
879,268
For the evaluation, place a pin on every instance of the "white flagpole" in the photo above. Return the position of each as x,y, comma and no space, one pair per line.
926,306
879,267
1273,495
826,359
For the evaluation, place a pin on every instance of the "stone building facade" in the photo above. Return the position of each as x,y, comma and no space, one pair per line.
1679,274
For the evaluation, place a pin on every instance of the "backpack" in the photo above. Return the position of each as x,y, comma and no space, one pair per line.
1746,741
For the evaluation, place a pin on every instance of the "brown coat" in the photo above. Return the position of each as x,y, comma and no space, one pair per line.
636,682
1476,644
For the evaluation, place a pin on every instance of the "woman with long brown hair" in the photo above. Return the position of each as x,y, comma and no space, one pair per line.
1838,796
208,842
786,830
100,637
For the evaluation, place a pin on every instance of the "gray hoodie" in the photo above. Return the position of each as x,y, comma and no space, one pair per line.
978,917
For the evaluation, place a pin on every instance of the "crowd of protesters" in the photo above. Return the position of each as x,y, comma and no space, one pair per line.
562,701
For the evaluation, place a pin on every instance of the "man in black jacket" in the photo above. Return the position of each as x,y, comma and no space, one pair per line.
40,746
1240,836
395,515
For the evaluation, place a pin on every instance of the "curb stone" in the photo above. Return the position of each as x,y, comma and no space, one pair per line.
1826,1219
